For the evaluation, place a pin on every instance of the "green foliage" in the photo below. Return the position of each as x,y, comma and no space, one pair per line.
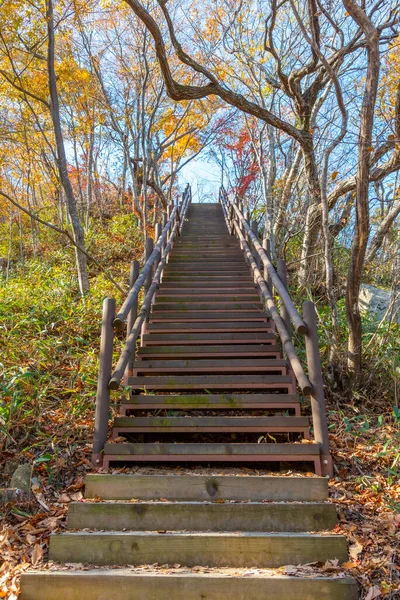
50,337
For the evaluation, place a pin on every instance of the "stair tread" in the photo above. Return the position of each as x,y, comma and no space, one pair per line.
212,326
232,400
216,583
194,337
211,367
183,449
250,349
205,421
202,516
206,487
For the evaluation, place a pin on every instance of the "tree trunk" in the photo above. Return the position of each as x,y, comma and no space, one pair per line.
362,185
77,228
313,222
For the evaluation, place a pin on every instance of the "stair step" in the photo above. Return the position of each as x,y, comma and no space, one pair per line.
234,277
213,401
212,382
211,304
209,327
192,549
202,516
168,294
195,259
193,316
231,365
244,351
217,287
99,584
206,487
275,424
255,451
193,338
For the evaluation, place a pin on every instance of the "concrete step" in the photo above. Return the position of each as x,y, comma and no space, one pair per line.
124,583
192,548
206,487
202,516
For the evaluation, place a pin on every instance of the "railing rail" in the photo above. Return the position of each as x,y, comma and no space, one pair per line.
295,317
311,384
287,344
109,379
120,319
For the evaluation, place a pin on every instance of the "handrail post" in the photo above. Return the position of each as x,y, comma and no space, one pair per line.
282,272
267,247
134,274
148,250
157,233
103,393
169,211
254,228
317,395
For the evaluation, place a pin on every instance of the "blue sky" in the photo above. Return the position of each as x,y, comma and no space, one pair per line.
204,178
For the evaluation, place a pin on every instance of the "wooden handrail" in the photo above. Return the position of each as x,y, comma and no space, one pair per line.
295,317
302,379
120,319
130,346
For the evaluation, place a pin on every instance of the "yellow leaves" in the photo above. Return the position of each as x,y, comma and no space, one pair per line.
334,175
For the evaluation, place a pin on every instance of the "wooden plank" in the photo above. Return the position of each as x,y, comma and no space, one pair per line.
231,401
200,516
206,487
209,338
191,549
211,304
209,327
268,350
229,365
278,424
193,316
212,382
232,277
257,451
168,294
195,259
97,584
222,286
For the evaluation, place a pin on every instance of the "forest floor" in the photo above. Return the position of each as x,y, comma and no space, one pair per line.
49,343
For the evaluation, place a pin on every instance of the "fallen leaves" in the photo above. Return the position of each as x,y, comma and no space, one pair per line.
37,554
355,549
373,592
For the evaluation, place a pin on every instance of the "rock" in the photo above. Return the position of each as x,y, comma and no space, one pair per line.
376,301
21,479
11,495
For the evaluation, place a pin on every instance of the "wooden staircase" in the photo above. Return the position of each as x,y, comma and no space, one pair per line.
203,347
209,383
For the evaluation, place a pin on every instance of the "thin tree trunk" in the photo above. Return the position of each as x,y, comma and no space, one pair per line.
362,185
77,228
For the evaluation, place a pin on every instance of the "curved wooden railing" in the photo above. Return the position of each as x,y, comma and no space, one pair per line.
156,257
257,254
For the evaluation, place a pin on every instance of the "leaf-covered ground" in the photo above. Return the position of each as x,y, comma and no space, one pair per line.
49,344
